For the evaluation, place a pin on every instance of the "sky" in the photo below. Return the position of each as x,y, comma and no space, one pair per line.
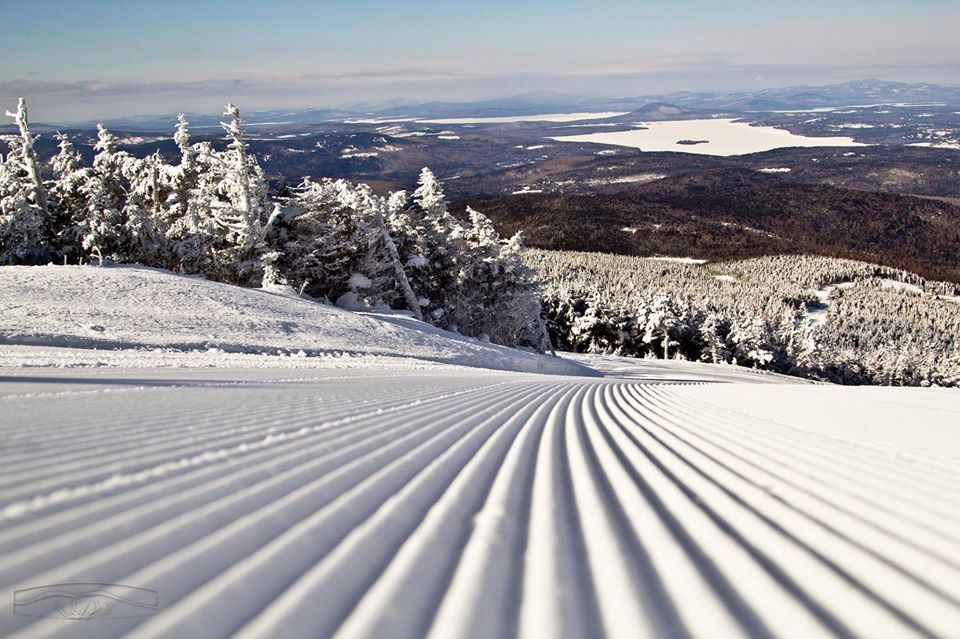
85,59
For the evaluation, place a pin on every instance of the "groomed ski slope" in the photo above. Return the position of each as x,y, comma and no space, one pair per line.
400,497
458,503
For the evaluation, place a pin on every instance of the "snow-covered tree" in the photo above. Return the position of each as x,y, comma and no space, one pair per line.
145,216
22,227
28,157
184,176
431,241
327,240
389,207
429,196
497,293
192,232
101,227
661,320
240,207
712,331
24,214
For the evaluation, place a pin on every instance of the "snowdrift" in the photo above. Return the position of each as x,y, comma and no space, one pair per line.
143,308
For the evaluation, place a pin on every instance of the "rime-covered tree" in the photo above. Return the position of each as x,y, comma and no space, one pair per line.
101,226
24,215
497,293
28,157
240,207
326,240
184,178
192,231
431,244
68,199
145,217
22,227
389,206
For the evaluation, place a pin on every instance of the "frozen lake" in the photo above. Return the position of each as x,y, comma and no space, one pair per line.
713,137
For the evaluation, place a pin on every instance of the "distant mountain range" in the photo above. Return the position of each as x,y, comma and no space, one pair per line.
860,92
856,93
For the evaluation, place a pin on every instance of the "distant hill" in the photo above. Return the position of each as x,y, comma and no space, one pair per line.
731,213
855,93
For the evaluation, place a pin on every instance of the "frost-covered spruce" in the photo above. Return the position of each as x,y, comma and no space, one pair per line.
24,217
145,214
239,207
28,156
191,230
431,246
328,242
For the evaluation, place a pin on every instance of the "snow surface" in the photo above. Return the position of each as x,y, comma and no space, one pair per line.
679,260
901,286
402,497
149,309
820,314
722,137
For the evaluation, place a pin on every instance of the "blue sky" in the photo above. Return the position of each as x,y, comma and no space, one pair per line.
75,59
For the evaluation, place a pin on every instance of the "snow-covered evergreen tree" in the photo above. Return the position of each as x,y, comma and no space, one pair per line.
144,213
101,227
24,215
22,227
28,157
68,199
388,207
327,241
191,230
431,243
240,207
497,294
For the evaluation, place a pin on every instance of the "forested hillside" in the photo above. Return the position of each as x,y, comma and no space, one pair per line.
722,214
821,318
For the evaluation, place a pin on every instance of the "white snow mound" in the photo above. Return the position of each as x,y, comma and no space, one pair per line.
127,307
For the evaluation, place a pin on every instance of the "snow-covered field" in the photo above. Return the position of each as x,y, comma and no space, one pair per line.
389,483
712,137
